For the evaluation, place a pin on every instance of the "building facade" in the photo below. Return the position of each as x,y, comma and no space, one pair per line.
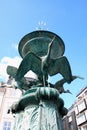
76,119
80,107
8,96
69,121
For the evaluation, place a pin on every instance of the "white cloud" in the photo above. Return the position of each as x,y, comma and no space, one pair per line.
11,61
5,61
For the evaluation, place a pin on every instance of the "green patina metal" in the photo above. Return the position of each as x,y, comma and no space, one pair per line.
38,42
40,107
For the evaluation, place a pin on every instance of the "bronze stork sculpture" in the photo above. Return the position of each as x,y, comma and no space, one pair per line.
40,107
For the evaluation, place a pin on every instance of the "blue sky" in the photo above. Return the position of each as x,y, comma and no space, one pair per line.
68,19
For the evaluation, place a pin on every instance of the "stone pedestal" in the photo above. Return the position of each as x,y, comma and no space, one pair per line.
39,109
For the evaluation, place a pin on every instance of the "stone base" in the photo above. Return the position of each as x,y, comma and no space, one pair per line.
42,117
39,109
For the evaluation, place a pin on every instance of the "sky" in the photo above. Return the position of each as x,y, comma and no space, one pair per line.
68,19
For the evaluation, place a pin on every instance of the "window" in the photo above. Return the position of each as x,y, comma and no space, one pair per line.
7,126
81,106
80,119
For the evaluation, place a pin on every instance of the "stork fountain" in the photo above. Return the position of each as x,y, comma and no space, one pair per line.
40,106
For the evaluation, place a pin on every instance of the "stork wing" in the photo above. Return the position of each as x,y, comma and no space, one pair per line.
11,70
75,76
62,81
30,62
59,83
62,66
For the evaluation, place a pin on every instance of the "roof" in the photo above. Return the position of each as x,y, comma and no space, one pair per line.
81,91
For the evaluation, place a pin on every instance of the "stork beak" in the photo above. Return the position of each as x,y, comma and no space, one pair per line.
69,92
